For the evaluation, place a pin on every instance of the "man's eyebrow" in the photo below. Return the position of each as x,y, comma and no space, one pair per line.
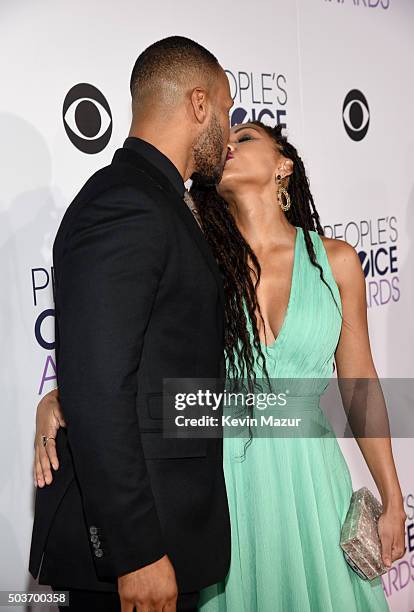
246,127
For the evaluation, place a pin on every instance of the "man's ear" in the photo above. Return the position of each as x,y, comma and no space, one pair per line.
199,104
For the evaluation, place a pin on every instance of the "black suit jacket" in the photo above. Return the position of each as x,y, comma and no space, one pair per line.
138,298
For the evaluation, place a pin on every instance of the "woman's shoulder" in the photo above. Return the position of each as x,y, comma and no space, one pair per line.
343,259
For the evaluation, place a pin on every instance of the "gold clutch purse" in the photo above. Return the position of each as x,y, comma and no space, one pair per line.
360,541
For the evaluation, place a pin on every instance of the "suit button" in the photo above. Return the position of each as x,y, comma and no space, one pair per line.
94,538
98,552
96,544
93,530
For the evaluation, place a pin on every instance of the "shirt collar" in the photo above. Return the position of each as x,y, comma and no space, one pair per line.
157,159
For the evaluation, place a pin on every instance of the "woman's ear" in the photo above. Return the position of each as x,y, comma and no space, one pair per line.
284,167
287,166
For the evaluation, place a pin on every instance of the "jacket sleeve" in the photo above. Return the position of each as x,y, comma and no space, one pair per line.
107,280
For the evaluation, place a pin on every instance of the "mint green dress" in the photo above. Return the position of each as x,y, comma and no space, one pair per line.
289,497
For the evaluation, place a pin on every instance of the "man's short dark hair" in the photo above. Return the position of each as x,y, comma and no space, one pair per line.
168,65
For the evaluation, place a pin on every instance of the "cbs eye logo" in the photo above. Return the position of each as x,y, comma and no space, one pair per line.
87,118
355,115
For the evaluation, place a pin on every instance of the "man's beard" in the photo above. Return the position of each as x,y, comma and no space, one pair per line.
208,155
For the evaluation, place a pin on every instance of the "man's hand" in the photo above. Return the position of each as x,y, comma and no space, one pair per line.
152,588
49,418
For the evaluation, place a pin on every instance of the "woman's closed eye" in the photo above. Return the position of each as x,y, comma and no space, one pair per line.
243,138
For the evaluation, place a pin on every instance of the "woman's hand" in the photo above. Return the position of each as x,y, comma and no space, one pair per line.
49,418
391,529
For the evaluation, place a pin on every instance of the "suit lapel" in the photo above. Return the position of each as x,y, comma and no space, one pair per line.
132,157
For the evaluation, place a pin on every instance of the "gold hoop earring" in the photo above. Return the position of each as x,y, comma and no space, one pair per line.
281,191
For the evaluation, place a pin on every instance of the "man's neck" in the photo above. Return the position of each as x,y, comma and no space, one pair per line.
166,142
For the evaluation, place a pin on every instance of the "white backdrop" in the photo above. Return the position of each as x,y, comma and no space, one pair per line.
338,73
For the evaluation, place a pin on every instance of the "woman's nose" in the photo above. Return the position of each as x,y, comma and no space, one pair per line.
231,147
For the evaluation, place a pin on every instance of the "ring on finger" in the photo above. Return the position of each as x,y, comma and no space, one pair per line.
46,438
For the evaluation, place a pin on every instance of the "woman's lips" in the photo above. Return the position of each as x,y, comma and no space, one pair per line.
229,156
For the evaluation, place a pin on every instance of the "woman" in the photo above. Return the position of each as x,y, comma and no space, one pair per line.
295,304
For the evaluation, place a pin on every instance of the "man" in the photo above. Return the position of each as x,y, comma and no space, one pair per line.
139,298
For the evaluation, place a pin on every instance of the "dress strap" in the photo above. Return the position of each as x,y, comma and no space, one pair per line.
322,258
